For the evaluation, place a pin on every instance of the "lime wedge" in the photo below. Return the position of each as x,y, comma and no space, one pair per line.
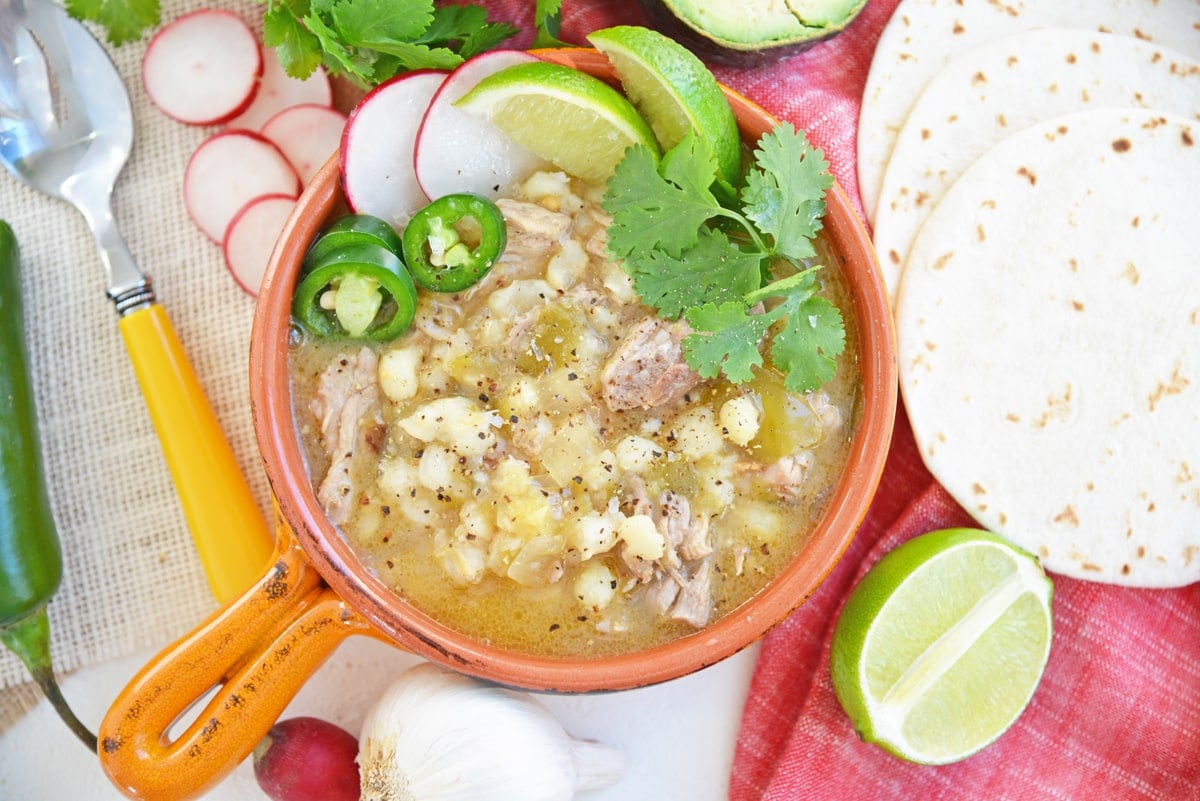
941,645
577,122
673,90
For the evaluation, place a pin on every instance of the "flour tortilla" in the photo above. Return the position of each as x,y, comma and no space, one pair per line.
1048,324
997,89
924,35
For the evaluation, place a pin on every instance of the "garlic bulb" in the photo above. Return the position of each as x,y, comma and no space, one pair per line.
435,735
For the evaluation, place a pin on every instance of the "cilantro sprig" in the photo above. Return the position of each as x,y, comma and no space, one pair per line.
698,249
122,20
370,41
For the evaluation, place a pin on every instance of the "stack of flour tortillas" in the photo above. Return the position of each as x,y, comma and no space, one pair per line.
1033,175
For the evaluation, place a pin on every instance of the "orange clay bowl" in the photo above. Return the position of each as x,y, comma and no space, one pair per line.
261,647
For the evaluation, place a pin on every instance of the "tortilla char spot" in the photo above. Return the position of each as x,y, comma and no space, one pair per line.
1043,552
1001,121
926,133
1194,317
1071,58
988,204
1185,474
980,234
978,78
1131,273
1074,263
930,346
1085,96
1090,486
1028,175
1142,35
1185,136
1141,551
1002,518
1012,417
943,260
1076,305
1136,221
1062,130
1052,88
893,256
958,28
1095,47
1125,571
1013,61
1058,407
1068,515
978,488
1174,385
952,118
1122,145
1091,568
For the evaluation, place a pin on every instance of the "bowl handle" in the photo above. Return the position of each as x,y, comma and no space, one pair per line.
256,652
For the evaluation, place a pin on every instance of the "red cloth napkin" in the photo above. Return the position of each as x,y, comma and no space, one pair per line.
1117,715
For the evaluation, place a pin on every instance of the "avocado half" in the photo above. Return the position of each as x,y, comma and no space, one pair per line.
751,31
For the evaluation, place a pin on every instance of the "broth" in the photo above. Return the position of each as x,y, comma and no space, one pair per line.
496,465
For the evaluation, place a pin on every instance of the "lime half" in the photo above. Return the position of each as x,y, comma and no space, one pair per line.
941,645
673,90
577,122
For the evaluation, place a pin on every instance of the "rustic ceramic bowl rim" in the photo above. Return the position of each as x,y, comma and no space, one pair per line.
412,629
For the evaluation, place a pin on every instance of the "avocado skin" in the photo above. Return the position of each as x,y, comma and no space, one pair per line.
671,18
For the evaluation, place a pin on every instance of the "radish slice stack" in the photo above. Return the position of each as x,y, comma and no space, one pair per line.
207,68
227,172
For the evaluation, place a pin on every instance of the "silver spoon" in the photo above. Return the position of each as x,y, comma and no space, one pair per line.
66,129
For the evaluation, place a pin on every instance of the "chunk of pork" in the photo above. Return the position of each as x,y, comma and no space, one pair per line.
347,407
647,369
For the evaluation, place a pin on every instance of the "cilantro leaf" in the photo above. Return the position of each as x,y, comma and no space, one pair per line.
337,55
651,213
714,271
807,348
363,22
298,49
725,340
370,41
547,21
785,190
465,29
123,20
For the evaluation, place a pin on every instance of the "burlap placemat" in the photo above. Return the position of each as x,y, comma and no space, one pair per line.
132,578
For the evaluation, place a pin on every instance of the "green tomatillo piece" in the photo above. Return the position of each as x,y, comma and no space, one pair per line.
454,241
357,291
30,555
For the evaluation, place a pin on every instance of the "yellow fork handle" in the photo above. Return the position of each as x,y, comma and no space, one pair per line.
231,535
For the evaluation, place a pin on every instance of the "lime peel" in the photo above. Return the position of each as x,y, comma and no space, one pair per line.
592,126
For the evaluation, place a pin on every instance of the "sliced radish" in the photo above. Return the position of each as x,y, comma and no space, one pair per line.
483,159
203,68
277,90
377,147
229,170
251,237
307,135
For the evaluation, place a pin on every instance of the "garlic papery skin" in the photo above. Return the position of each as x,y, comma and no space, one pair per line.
435,735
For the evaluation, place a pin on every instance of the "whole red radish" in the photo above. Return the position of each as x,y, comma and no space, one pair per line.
307,759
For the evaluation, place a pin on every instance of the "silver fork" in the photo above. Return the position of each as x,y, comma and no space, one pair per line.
66,129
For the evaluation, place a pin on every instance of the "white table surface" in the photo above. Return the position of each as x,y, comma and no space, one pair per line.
678,736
